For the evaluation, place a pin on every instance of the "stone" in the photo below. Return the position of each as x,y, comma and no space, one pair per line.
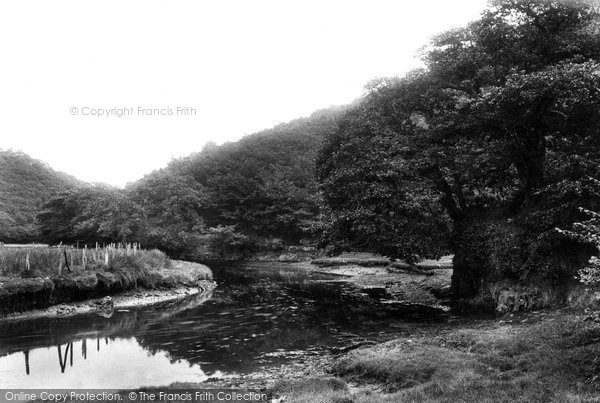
288,257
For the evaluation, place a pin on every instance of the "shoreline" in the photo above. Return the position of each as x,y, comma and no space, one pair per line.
139,298
538,355
183,280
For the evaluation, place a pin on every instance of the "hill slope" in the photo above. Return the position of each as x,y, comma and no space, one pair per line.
25,183
264,183
258,188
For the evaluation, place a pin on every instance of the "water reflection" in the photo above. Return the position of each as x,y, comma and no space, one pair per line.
122,363
260,315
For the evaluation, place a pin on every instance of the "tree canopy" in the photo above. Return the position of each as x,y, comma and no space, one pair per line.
26,183
501,125
228,198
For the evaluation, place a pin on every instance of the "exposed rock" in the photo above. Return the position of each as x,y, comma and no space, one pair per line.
288,257
105,303
513,297
410,268
584,297
105,307
300,248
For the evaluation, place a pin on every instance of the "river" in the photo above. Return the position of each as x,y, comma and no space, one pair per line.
259,316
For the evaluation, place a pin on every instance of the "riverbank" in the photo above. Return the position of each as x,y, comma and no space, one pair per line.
543,356
101,291
532,357
427,283
538,356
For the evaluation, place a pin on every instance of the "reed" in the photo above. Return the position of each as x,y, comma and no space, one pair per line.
25,261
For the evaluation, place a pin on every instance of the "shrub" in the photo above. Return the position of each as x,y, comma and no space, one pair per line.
588,232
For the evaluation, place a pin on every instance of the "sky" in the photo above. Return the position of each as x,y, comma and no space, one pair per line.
109,91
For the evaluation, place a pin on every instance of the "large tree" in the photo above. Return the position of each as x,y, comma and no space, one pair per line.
171,207
90,214
483,153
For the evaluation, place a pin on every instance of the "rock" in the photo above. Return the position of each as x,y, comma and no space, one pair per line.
520,300
288,257
514,297
594,317
299,248
63,310
584,297
105,307
105,304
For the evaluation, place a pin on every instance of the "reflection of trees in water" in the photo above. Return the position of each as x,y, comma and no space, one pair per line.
26,353
63,361
248,317
68,353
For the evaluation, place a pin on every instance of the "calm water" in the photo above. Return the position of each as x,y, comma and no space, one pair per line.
260,315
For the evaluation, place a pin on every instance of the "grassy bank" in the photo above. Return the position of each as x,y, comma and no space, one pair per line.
30,262
535,357
33,278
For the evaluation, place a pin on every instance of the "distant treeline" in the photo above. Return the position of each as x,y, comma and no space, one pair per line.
259,192
25,184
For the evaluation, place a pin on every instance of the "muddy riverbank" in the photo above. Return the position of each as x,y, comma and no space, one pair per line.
101,291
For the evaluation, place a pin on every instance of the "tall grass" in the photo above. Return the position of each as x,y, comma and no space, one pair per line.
36,261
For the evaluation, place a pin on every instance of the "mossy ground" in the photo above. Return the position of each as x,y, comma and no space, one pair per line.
536,357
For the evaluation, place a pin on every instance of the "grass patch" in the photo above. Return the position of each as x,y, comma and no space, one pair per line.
557,358
313,390
30,277
26,262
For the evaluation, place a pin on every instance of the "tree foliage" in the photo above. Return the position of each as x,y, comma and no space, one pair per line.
90,214
483,152
171,208
25,183
259,188
263,184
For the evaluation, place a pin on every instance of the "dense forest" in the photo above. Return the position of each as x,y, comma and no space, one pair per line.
256,193
25,184
490,152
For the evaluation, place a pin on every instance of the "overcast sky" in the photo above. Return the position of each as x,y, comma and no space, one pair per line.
231,67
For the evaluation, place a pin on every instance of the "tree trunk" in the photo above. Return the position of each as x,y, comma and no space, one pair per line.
472,261
499,266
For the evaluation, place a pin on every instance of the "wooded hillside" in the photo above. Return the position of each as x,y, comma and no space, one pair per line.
25,184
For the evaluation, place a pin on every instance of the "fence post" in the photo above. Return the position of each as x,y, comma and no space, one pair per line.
66,259
26,352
